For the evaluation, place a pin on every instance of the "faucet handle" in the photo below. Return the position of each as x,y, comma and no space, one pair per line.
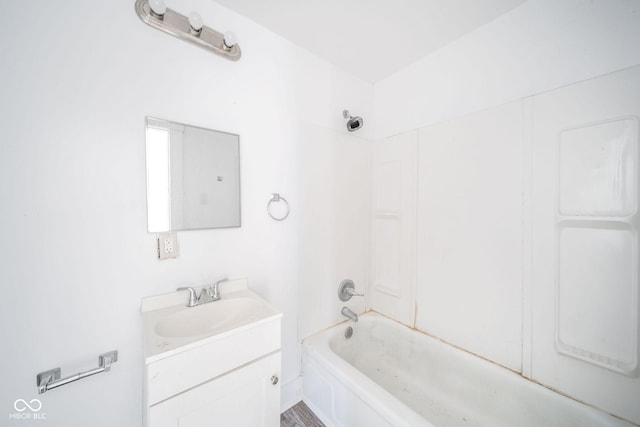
353,293
215,285
347,289
193,299
213,291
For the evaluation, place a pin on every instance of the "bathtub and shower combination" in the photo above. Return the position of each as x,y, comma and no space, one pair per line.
381,373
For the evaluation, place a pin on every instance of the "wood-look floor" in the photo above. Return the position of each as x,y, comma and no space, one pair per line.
299,416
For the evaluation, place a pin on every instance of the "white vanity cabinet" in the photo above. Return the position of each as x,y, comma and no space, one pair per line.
206,367
243,397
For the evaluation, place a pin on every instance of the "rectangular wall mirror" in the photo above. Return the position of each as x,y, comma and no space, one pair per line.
193,177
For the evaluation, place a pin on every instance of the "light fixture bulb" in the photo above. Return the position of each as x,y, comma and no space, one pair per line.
158,7
195,20
230,39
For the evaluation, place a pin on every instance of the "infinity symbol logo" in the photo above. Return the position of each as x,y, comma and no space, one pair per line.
21,405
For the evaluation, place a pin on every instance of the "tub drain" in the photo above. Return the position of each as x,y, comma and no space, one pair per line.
348,332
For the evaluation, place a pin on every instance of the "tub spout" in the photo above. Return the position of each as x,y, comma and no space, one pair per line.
350,314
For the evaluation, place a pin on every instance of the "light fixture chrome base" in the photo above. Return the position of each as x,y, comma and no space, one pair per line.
178,25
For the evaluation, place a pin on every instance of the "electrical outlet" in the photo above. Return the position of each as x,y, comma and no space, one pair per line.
168,245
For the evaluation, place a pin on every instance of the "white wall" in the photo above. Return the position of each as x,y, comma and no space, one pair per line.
469,245
333,243
393,227
538,46
584,291
78,259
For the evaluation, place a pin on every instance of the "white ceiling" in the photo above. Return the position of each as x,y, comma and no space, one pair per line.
371,39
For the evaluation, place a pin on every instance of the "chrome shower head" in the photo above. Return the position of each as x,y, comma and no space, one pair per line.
353,123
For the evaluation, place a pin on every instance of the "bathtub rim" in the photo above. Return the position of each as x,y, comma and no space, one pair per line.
319,344
385,404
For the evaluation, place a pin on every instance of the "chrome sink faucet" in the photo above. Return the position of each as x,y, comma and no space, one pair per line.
208,294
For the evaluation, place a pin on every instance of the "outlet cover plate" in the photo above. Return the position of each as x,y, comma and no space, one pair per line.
168,245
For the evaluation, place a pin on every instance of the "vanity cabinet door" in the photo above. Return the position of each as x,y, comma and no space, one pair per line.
243,397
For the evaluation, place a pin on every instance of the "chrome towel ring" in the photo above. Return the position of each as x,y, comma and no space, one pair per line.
275,197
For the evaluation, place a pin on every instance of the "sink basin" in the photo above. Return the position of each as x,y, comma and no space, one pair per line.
208,318
171,328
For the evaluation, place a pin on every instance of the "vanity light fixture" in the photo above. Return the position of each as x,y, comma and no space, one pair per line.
191,29
158,8
230,39
195,24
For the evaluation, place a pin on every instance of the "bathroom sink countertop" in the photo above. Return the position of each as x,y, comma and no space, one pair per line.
170,327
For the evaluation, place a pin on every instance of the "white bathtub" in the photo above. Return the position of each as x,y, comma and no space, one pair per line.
389,375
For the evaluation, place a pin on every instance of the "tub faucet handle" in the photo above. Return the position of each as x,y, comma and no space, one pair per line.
353,293
347,289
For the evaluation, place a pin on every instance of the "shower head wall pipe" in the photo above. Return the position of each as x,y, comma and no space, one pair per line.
353,123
